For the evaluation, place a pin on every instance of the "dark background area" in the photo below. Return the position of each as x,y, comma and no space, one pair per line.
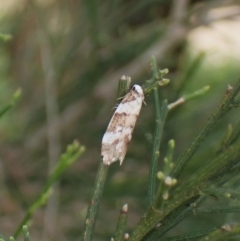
67,57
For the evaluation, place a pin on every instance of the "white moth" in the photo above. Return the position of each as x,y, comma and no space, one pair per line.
119,131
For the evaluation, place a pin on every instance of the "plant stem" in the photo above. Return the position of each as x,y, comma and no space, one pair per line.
155,153
93,207
193,235
160,120
172,220
230,209
95,200
121,226
123,86
161,114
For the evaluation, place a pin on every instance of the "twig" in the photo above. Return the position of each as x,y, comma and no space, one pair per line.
95,201
190,236
224,107
223,233
186,97
161,114
100,181
121,226
230,209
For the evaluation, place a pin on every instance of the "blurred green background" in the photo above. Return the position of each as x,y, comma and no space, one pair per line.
67,57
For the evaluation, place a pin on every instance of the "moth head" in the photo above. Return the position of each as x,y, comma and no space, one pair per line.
137,89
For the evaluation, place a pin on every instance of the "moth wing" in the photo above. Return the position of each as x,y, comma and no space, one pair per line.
109,146
123,143
119,132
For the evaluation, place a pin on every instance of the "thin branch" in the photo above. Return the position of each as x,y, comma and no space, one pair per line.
121,226
95,201
224,107
230,209
190,236
161,114
96,196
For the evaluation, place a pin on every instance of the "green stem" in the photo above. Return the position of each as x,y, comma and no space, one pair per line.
225,232
122,221
230,209
26,218
94,201
155,153
153,216
172,220
234,136
93,207
161,114
186,193
193,235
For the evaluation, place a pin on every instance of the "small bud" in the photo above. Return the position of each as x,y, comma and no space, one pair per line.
174,181
163,82
165,160
226,227
229,88
165,196
206,88
25,229
164,71
160,176
168,181
17,94
158,225
124,77
228,195
125,208
126,236
171,144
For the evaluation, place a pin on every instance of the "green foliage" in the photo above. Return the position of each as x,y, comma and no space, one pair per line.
89,45
170,198
175,199
72,154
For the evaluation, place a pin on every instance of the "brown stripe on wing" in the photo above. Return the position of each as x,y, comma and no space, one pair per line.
131,96
117,120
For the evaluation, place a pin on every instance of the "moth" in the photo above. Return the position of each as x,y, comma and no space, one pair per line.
119,131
